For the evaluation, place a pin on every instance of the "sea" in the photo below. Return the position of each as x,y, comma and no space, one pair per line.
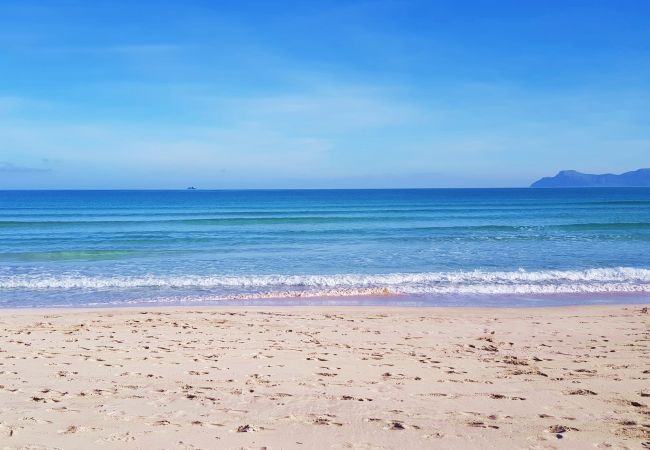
397,247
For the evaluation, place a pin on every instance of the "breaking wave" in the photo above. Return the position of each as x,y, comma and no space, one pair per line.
521,282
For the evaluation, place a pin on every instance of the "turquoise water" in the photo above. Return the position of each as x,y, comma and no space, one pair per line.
427,246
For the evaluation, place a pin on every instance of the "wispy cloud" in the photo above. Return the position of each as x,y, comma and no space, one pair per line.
11,104
331,109
141,49
10,168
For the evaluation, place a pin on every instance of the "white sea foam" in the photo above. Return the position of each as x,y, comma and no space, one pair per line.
598,280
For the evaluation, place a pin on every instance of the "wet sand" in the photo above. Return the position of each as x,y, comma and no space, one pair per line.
372,377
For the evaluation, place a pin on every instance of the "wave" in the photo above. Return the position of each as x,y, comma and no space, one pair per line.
321,220
66,255
522,282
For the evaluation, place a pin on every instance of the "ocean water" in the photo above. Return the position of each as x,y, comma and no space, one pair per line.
496,247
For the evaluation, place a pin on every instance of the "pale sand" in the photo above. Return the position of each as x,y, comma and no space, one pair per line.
300,377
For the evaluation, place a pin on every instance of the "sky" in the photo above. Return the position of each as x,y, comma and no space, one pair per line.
320,94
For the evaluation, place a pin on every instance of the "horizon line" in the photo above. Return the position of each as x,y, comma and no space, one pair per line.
311,189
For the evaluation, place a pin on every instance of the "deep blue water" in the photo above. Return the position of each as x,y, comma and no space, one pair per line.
431,246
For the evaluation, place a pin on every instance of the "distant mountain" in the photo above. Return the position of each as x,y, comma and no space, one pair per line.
572,178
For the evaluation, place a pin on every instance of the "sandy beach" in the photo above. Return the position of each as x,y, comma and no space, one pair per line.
571,377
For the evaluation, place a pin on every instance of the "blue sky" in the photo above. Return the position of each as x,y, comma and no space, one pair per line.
242,94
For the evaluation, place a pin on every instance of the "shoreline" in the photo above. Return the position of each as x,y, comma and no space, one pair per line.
368,301
324,308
